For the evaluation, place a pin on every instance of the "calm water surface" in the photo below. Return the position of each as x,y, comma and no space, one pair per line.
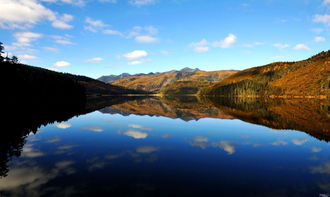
153,147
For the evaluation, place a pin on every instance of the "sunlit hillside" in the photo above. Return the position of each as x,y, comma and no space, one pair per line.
155,82
309,77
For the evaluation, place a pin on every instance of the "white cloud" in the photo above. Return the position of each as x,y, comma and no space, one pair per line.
299,142
151,30
27,57
23,14
135,32
253,44
63,125
51,49
24,39
319,39
136,134
138,126
281,45
321,169
53,140
72,2
66,147
29,151
142,31
49,1
138,28
94,129
62,64
95,60
201,139
142,2
24,181
146,149
27,179
324,19
112,32
316,149
279,143
301,47
227,42
136,62
200,47
145,39
200,142
136,54
94,25
326,2
62,22
108,1
75,2
64,42
226,146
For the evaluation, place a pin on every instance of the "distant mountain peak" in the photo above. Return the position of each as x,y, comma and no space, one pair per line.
188,70
111,78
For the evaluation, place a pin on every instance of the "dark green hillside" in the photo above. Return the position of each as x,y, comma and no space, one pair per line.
24,79
22,83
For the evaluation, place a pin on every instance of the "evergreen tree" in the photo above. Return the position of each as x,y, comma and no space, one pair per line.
14,59
1,51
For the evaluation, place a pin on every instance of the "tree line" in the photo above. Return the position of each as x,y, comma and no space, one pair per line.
13,59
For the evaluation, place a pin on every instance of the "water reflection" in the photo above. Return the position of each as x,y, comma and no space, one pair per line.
308,115
172,147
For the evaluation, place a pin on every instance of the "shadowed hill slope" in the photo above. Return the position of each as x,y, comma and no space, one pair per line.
29,79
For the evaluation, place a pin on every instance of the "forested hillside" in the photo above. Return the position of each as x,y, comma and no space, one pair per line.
23,79
305,78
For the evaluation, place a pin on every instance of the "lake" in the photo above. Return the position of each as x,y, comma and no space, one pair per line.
183,146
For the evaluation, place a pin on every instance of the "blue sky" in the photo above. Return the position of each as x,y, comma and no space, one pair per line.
102,37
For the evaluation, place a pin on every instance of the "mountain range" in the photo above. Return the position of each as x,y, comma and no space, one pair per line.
155,82
306,78
111,78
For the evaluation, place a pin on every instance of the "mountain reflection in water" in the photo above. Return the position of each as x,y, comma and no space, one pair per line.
309,115
166,146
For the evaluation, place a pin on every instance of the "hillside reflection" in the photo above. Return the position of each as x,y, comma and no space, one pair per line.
138,155
309,115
